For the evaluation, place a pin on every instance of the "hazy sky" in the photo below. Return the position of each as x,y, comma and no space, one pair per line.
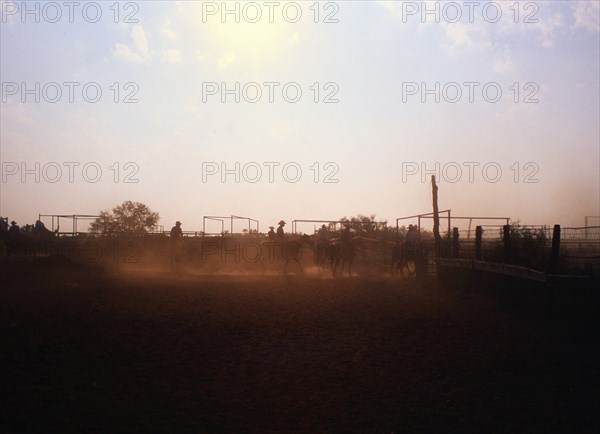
532,155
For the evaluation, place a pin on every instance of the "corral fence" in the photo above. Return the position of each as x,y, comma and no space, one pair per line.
427,255
544,249
73,221
77,223
490,240
496,243
228,225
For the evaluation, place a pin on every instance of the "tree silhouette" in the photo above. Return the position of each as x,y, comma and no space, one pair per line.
129,217
362,224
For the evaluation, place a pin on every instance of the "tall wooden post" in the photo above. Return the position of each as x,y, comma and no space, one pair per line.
555,249
436,218
455,245
507,245
478,241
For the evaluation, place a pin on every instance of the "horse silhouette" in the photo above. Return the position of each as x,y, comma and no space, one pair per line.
287,251
404,256
340,255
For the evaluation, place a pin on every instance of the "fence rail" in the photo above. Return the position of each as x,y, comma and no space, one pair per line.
558,250
542,248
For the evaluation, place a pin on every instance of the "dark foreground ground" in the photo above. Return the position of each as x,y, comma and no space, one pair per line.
85,351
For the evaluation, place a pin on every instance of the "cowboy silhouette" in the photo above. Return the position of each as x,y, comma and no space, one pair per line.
176,238
280,232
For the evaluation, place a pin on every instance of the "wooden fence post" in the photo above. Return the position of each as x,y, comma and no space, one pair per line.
555,249
455,246
436,218
478,240
507,246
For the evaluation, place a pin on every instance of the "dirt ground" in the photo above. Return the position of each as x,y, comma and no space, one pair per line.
85,350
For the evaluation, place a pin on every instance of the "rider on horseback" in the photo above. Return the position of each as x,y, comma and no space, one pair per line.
345,234
322,243
176,241
13,238
280,233
323,234
411,239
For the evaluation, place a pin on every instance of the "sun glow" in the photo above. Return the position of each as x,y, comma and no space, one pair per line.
252,38
247,30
